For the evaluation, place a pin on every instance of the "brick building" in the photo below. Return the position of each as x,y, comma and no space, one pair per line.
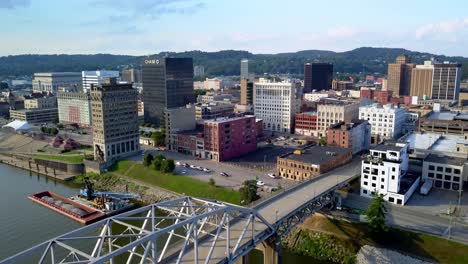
380,96
229,138
355,136
310,163
306,124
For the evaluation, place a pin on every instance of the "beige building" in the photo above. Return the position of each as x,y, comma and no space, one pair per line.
35,116
115,120
177,120
246,92
334,111
47,101
399,76
214,110
50,81
421,81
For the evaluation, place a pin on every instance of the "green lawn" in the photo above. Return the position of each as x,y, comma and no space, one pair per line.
433,248
176,183
63,157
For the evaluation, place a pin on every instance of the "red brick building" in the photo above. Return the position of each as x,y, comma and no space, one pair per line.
380,96
306,124
355,136
229,138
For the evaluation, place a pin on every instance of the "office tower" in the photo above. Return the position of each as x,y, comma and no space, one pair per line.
74,106
198,70
50,81
446,81
97,77
317,76
244,69
131,76
277,103
421,81
115,120
399,76
167,83
246,92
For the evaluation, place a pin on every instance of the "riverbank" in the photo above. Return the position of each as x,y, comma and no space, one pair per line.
339,241
27,165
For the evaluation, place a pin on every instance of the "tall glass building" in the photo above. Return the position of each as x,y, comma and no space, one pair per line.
167,83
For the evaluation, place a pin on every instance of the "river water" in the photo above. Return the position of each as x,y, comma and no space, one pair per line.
24,224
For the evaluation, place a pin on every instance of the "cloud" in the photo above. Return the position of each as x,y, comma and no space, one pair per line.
442,28
342,32
11,4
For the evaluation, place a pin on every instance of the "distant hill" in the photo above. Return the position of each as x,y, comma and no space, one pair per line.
226,62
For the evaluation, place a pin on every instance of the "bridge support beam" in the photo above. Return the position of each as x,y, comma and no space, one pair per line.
271,252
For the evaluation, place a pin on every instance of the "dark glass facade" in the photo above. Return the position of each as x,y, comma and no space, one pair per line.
167,83
317,76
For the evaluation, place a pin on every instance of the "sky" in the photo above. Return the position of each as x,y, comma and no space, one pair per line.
141,27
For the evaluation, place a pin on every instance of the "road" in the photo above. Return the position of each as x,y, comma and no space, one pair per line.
277,208
414,219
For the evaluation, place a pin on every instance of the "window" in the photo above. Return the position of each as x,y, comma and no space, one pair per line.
449,170
373,185
393,177
447,185
365,176
399,201
382,180
448,178
430,175
365,183
431,167
391,199
381,186
393,169
456,171
440,168
374,178
438,184
456,179
364,191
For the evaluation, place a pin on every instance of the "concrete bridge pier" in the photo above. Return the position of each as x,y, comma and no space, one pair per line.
271,252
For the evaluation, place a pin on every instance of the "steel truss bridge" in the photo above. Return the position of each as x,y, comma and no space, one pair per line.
191,230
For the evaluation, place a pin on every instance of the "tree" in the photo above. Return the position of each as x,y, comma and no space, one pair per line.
248,192
211,182
159,138
376,214
148,159
167,165
157,163
322,141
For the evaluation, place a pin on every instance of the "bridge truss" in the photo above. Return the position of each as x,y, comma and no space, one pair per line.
183,230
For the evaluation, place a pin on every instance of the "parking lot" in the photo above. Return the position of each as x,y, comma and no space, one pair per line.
236,174
264,159
438,201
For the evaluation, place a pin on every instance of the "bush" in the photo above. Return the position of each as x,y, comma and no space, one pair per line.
157,163
248,192
148,159
167,165
212,182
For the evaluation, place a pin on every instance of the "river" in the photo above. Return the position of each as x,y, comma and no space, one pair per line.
24,224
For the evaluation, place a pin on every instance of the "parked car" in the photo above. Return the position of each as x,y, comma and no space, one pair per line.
224,174
178,163
193,166
272,175
185,165
260,183
206,170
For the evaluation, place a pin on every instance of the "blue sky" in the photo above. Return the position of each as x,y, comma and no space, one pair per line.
140,27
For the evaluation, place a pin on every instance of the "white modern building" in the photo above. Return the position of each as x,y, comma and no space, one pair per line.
276,103
50,81
315,96
74,107
446,172
384,172
386,121
97,78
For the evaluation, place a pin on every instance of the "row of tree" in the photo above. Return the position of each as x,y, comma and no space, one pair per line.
49,130
159,163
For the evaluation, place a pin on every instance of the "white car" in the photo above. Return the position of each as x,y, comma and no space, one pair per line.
206,170
260,183
178,163
193,166
272,175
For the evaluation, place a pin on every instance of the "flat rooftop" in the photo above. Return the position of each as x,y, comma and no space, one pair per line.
435,141
407,181
318,154
448,115
445,159
386,147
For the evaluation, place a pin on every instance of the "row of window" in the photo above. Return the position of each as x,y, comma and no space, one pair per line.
447,169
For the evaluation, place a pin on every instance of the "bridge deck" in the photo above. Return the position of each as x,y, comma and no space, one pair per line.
277,208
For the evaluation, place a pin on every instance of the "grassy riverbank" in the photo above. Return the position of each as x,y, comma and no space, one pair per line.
176,183
338,241
70,158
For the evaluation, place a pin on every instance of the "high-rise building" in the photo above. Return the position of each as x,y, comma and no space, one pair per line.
421,81
446,81
246,92
244,69
131,76
177,120
276,103
167,83
74,106
317,76
97,77
115,120
399,76
50,81
198,70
